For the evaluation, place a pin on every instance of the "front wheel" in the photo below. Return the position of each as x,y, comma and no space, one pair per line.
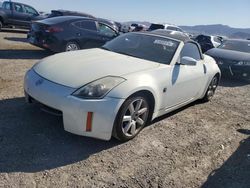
131,118
211,89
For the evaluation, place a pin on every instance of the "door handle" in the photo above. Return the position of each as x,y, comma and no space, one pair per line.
205,69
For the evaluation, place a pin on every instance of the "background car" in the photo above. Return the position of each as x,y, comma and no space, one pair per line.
68,33
133,26
17,14
114,25
233,57
155,26
56,13
140,27
119,88
119,25
208,42
125,28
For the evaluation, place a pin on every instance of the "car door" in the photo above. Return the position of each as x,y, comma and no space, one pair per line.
85,32
105,33
31,13
186,80
20,17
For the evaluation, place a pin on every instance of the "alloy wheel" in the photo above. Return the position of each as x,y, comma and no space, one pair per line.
212,87
135,117
71,47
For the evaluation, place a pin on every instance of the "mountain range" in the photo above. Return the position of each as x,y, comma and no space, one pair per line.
218,29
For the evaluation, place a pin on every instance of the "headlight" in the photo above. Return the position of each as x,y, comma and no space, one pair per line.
246,63
220,62
99,88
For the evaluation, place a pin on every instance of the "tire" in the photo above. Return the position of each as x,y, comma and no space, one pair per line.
131,118
71,46
211,89
1,25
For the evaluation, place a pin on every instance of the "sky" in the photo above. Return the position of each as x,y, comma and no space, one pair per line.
235,13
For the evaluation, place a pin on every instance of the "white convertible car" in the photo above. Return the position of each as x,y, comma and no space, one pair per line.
117,89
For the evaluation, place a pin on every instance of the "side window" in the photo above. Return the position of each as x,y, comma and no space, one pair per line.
30,10
6,6
171,28
178,29
105,30
191,50
18,8
87,24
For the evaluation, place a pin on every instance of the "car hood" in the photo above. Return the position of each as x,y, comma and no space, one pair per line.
228,54
75,69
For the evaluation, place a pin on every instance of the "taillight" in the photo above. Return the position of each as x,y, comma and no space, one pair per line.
54,29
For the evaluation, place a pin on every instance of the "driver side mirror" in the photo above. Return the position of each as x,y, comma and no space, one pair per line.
188,61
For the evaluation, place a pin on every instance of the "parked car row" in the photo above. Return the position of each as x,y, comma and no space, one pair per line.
121,82
21,15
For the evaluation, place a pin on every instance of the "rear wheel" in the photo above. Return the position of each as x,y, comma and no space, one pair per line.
131,118
72,46
211,89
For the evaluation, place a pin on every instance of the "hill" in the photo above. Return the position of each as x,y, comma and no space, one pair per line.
218,29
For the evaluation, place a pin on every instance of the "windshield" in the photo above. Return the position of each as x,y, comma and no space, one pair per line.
241,46
152,48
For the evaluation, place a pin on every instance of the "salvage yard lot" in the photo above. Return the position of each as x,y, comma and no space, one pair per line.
202,145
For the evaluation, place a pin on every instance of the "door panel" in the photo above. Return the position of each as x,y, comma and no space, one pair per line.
186,83
89,39
105,33
19,16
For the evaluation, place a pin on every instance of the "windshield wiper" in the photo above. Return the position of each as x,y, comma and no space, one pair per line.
123,53
104,48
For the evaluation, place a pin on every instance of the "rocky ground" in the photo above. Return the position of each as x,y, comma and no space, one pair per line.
201,145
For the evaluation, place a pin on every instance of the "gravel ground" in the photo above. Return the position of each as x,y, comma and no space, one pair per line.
201,145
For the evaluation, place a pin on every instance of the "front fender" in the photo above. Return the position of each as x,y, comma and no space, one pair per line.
137,83
212,69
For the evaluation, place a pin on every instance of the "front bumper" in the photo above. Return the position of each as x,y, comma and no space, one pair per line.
74,110
240,71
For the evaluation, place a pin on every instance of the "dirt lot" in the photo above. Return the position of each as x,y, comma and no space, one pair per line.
202,145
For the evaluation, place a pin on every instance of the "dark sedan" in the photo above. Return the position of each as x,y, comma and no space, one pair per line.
233,57
68,33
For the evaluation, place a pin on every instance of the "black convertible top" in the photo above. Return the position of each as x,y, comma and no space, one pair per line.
69,13
172,34
61,19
